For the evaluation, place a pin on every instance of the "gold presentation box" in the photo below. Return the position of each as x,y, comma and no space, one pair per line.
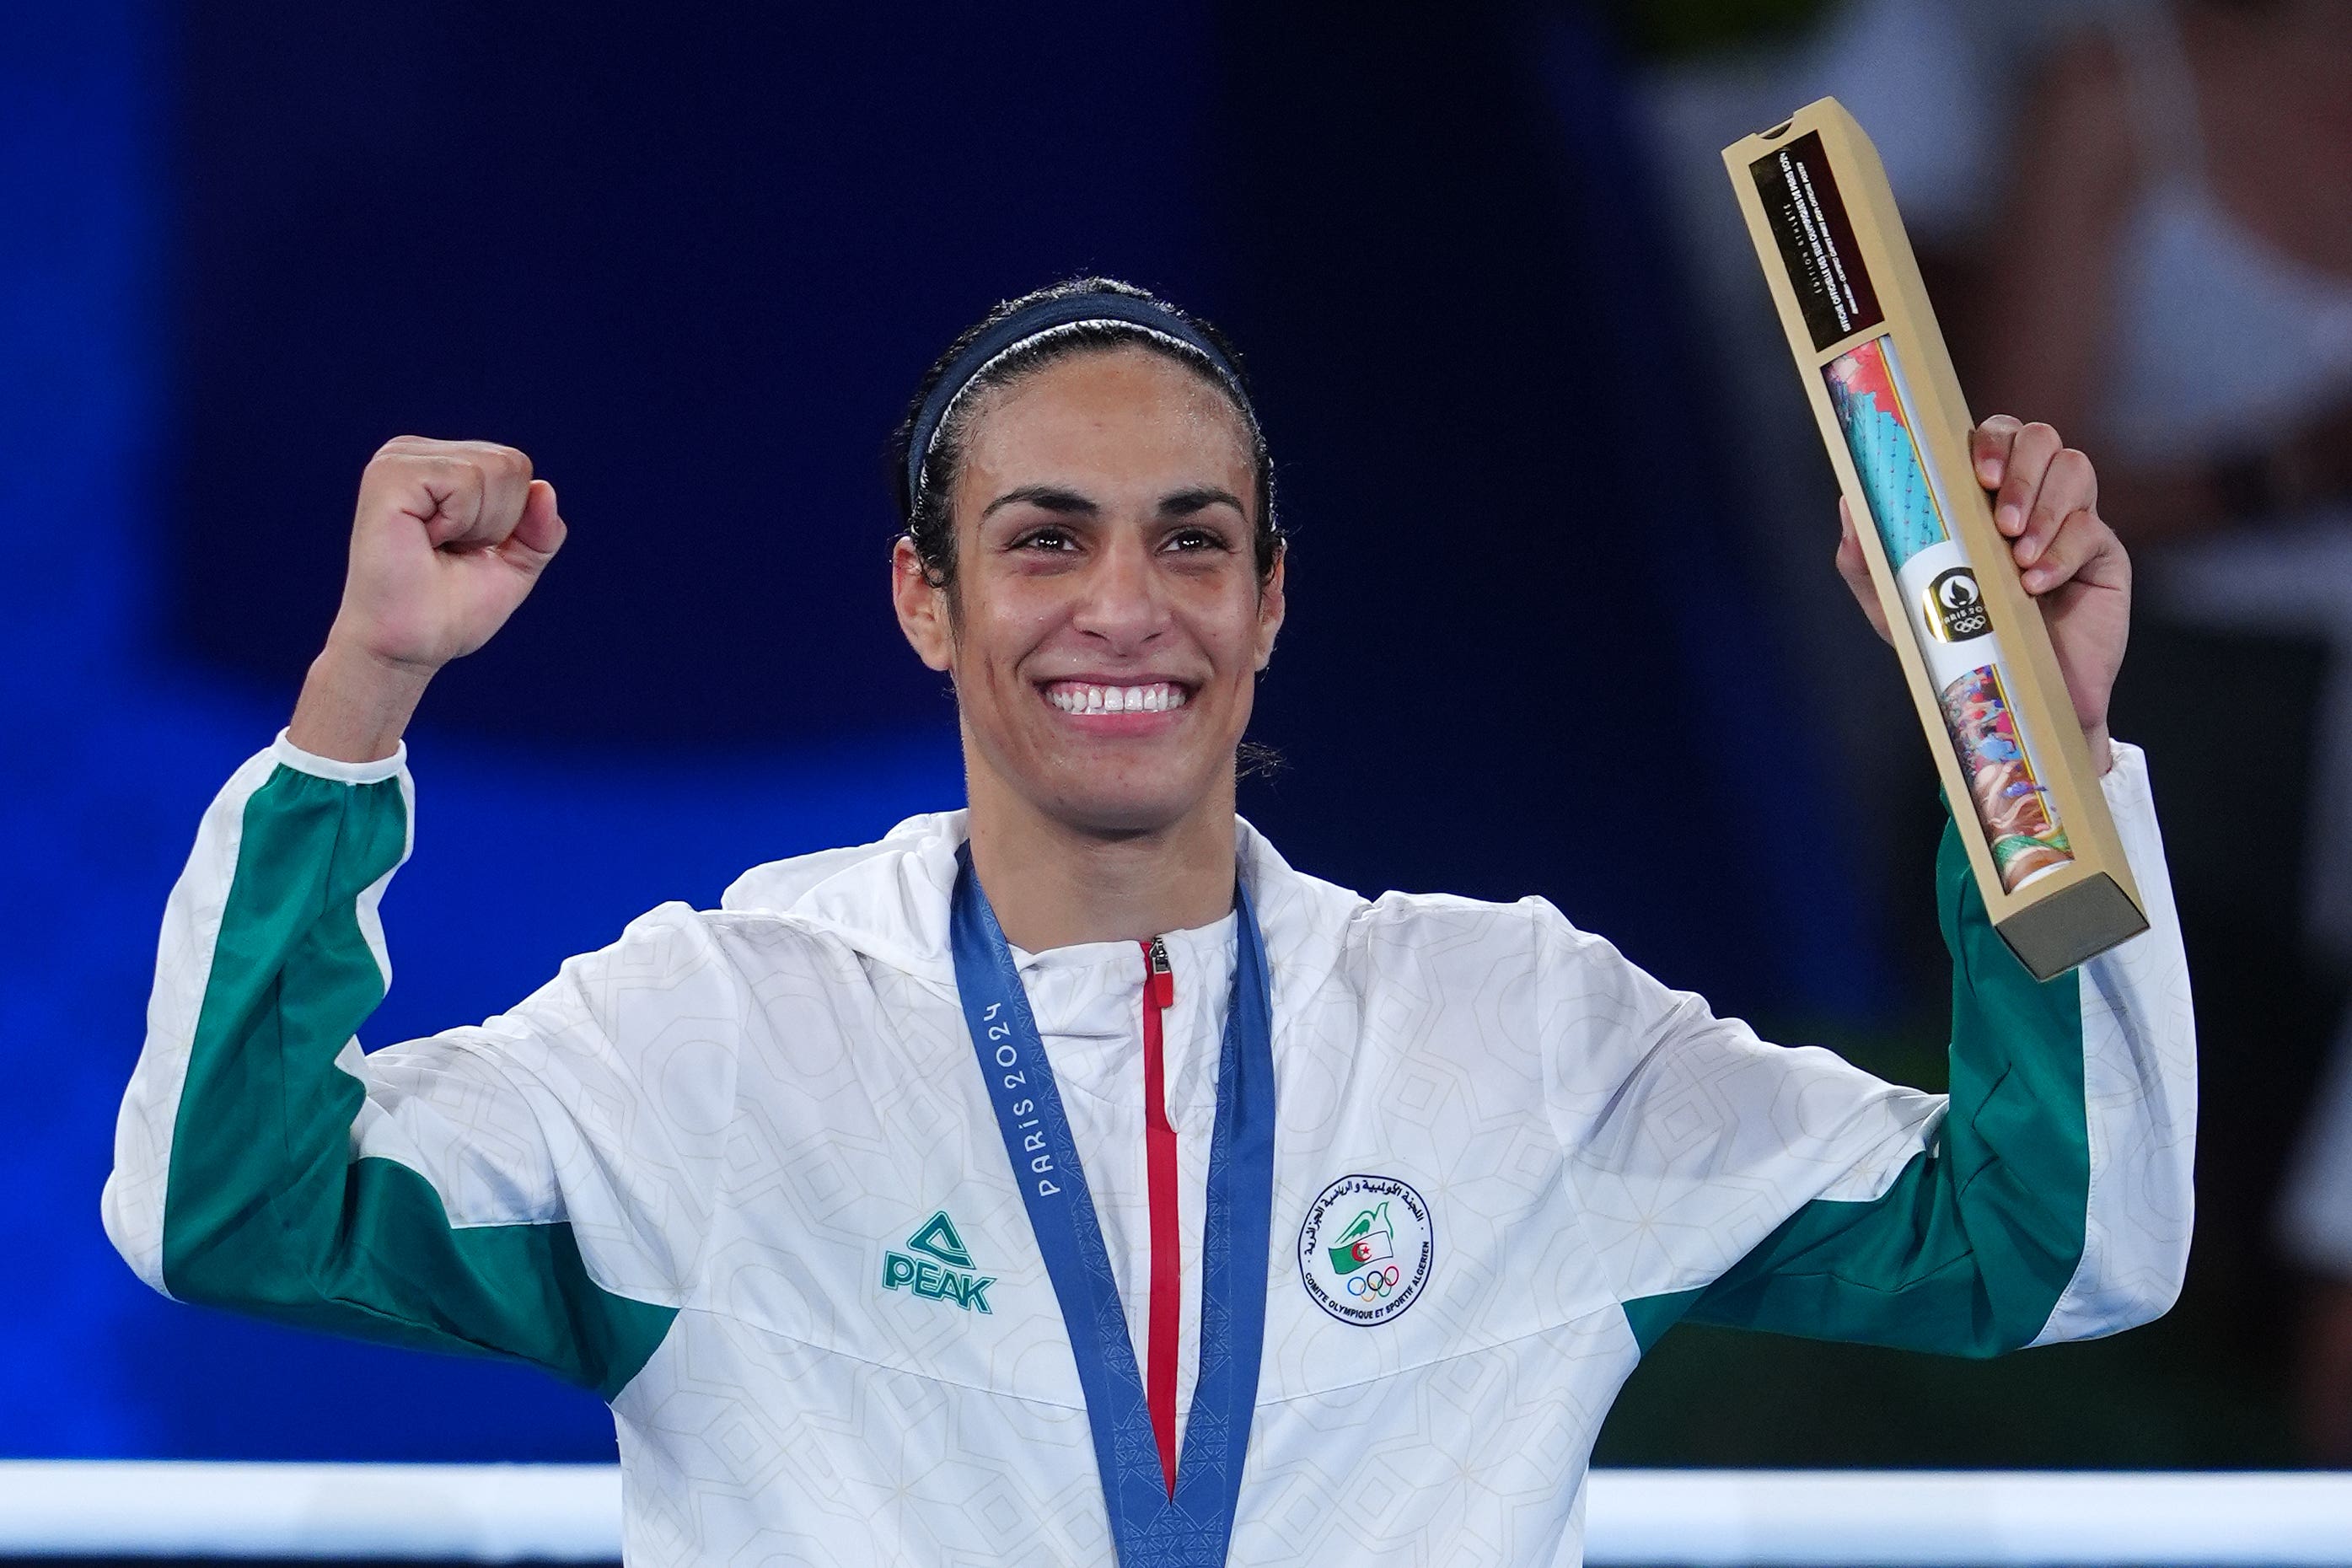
1973,646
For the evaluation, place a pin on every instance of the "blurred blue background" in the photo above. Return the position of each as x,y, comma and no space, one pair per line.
694,263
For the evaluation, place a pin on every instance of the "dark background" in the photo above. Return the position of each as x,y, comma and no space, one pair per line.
694,265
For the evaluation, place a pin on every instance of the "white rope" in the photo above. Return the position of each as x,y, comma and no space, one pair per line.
571,1513
1954,1517
479,1513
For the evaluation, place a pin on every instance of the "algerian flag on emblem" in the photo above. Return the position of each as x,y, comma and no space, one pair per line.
1366,1240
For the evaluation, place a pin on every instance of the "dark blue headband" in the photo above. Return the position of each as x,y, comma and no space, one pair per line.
1036,320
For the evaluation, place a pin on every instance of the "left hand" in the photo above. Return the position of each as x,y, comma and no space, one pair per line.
2070,560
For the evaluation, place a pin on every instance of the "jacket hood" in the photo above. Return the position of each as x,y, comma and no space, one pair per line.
888,899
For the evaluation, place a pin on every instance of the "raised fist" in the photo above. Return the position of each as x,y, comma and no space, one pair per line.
448,538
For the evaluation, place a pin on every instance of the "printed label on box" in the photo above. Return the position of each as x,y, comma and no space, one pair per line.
1816,240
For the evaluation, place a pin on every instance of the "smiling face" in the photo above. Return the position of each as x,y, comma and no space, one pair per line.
1107,622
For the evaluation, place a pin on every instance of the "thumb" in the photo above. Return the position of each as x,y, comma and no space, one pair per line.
539,533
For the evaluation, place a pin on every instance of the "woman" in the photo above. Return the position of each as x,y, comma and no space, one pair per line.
1068,1179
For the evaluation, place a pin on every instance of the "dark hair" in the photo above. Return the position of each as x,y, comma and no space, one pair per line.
925,508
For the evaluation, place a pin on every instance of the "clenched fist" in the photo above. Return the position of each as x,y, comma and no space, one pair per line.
448,538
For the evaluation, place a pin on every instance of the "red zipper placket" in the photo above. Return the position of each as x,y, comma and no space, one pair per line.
1160,1160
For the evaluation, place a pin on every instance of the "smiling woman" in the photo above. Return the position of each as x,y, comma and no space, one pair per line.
1081,559
1297,1198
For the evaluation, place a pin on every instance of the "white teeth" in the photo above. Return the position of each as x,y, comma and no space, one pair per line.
1157,697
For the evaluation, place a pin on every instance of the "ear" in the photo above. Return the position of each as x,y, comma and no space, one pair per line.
922,607
1270,605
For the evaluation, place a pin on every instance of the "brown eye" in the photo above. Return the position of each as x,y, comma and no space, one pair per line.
1196,538
1044,538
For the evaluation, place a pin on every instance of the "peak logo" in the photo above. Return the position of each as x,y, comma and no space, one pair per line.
941,1269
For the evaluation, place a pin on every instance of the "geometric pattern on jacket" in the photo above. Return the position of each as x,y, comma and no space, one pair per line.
674,1173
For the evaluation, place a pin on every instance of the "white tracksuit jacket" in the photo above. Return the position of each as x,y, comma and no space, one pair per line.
737,1173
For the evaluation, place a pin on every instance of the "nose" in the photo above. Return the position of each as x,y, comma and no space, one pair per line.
1121,603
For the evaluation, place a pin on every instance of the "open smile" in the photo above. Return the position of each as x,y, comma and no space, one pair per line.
1088,699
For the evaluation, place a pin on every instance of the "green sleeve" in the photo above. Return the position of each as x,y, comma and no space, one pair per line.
1970,1248
267,1209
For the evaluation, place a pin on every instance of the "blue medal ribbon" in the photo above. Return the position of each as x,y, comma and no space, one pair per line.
1190,1530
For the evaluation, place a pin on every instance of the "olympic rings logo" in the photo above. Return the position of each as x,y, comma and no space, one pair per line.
1373,1234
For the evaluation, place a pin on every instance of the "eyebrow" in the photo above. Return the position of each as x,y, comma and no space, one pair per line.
1045,497
1069,502
1200,497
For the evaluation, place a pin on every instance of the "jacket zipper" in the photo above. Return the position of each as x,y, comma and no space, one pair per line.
1167,1299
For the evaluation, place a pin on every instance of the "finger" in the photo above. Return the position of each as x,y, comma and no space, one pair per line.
1989,446
428,484
416,445
2086,551
2068,486
505,480
540,531
2029,460
1855,569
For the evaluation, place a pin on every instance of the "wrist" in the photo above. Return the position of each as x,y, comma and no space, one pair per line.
2102,747
355,704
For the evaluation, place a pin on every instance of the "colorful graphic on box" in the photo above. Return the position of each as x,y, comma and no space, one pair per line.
1878,433
1944,612
2020,825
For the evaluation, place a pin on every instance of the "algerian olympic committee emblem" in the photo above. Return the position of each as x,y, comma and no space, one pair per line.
1367,1248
